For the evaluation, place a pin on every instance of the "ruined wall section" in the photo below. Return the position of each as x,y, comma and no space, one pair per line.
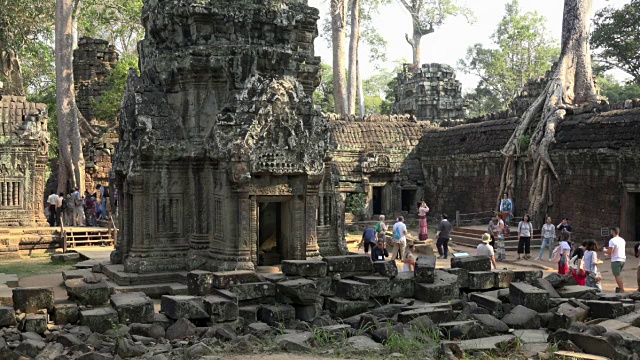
93,61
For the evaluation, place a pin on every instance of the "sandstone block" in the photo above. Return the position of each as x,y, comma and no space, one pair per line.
528,276
275,314
546,285
575,291
32,299
379,286
503,278
249,313
472,263
529,297
299,292
481,280
99,319
252,291
343,308
349,265
437,315
65,313
324,285
306,268
443,288
353,290
491,324
93,294
224,279
199,282
183,307
425,269
221,309
36,323
153,331
7,316
308,313
387,268
133,307
604,309
463,276
487,302
521,317
403,286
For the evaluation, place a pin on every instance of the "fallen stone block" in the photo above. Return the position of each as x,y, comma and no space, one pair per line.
463,276
69,340
65,313
99,319
425,269
527,276
36,323
494,305
221,309
558,281
153,331
260,330
481,280
387,311
463,330
544,284
387,268
598,345
7,316
604,309
339,331
88,293
488,343
253,291
308,313
199,282
530,336
503,278
567,314
472,263
353,290
135,307
402,286
299,291
343,308
632,319
349,265
277,314
529,297
378,286
66,257
180,329
249,313
521,317
50,351
75,274
183,306
32,299
224,279
296,342
324,285
437,315
306,268
491,324
364,343
442,289
29,349
576,291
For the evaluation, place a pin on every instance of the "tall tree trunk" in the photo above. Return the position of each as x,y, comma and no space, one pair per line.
360,89
338,36
10,73
71,161
416,47
354,43
419,30
571,89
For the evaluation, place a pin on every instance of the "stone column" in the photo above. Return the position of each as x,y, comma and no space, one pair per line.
244,226
311,213
320,221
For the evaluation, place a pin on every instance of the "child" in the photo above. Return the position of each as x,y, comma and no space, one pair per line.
409,261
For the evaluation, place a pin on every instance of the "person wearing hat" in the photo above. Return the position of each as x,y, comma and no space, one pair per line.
379,251
484,249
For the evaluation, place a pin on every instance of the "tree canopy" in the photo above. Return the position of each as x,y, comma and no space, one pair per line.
616,38
521,50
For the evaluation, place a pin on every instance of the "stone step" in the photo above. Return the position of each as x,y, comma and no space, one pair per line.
116,274
154,291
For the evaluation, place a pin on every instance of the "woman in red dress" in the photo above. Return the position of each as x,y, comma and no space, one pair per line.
422,214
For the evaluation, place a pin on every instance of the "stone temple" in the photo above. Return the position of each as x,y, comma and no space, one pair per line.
221,151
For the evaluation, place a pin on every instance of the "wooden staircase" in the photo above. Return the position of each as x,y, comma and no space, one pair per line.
87,236
472,236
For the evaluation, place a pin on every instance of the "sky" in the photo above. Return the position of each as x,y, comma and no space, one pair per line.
450,41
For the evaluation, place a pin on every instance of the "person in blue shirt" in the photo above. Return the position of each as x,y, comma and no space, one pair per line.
368,239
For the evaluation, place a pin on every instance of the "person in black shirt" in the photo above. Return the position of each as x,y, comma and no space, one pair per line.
368,239
565,227
577,269
379,252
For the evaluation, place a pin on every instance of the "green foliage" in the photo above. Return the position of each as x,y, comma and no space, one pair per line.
522,50
108,105
616,38
356,204
421,341
323,96
118,21
433,13
523,142
615,91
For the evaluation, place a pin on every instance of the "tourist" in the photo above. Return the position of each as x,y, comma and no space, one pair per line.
51,201
492,230
565,227
90,210
368,239
69,210
78,215
399,238
422,215
381,229
548,234
442,237
485,249
104,196
616,251
591,263
379,251
564,249
501,231
59,209
409,262
524,238
506,208
577,264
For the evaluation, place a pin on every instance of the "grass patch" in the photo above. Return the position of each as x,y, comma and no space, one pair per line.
35,264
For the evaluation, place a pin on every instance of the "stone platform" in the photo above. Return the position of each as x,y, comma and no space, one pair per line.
16,241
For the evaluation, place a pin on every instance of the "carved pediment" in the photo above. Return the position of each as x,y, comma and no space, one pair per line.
378,163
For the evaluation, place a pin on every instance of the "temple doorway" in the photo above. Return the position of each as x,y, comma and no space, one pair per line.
377,200
630,220
273,232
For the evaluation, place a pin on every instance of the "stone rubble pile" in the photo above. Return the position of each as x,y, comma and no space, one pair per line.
467,310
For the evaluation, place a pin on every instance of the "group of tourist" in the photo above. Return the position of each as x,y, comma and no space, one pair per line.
76,209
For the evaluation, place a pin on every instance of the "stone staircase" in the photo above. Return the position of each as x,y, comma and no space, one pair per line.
472,236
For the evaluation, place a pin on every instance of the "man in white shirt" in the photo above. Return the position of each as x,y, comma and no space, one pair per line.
484,249
617,247
51,201
399,238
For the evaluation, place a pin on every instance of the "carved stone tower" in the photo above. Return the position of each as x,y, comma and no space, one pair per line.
221,151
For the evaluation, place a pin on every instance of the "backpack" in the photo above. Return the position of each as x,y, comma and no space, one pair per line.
105,192
556,254
378,227
64,205
397,235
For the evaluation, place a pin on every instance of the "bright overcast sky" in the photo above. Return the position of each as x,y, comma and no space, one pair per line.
450,41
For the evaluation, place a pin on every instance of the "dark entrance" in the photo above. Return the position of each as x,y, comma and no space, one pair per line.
636,218
273,233
377,200
408,199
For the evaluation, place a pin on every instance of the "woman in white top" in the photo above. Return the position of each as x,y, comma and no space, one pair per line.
422,215
565,249
409,262
591,265
524,238
548,234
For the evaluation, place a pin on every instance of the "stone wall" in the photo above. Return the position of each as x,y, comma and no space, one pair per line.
93,61
430,93
24,150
